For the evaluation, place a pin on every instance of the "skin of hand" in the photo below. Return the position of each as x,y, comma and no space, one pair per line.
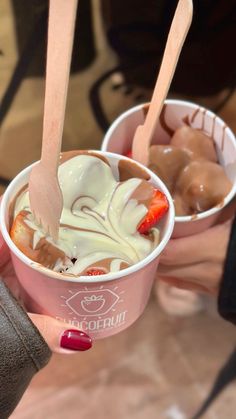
196,262
51,329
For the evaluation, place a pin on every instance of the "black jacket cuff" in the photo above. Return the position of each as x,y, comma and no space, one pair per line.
23,351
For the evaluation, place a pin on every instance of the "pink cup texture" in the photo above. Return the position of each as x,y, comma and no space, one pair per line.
101,305
176,113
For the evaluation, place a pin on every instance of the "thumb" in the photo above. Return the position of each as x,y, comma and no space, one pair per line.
60,337
4,252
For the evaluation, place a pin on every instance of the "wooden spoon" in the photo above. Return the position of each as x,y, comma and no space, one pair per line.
177,34
44,191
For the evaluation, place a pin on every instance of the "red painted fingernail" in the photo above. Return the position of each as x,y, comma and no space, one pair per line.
75,340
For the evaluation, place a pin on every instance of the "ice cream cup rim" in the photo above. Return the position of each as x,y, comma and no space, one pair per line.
84,279
228,197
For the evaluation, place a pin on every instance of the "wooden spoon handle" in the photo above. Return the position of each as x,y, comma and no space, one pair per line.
61,24
177,34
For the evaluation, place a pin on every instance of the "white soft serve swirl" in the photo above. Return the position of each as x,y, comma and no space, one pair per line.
101,208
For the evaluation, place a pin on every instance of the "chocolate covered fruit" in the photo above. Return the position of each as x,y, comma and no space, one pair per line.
189,167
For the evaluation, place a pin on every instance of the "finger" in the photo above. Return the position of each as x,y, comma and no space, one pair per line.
177,301
199,272
60,337
206,274
208,245
7,272
175,292
4,253
184,285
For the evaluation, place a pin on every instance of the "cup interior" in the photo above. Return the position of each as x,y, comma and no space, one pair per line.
21,180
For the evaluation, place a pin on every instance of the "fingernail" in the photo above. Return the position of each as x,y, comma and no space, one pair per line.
75,340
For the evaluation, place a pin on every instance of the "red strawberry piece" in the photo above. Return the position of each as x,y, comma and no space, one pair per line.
157,209
129,154
95,271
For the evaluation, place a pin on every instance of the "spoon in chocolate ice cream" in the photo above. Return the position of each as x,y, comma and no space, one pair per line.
177,34
44,190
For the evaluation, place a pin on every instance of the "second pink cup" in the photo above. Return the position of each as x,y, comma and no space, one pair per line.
176,113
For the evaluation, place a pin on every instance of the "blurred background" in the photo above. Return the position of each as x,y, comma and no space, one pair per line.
164,366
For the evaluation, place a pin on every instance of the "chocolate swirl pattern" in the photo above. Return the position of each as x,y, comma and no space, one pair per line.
98,226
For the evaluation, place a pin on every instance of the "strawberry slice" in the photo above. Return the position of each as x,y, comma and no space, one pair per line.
158,208
129,154
22,235
95,271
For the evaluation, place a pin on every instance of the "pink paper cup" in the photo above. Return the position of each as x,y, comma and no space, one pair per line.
101,306
176,113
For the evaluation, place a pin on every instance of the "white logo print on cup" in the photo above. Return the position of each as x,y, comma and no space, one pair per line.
92,303
95,310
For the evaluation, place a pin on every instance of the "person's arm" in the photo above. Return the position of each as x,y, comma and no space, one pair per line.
26,339
23,351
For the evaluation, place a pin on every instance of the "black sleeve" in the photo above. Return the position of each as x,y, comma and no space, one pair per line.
23,352
227,294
